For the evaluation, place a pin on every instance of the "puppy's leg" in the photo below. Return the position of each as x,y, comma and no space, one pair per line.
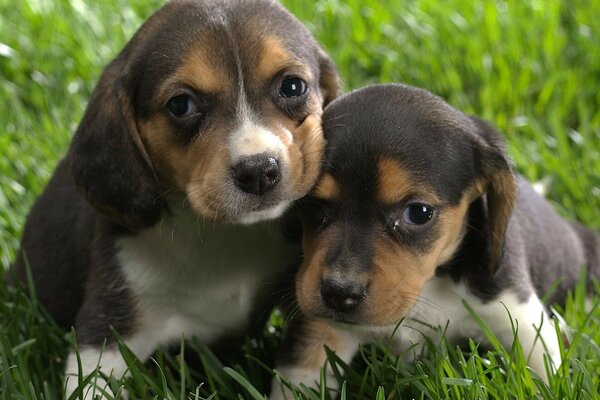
302,354
108,360
537,335
536,331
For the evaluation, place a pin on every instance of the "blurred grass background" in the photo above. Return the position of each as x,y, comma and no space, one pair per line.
530,67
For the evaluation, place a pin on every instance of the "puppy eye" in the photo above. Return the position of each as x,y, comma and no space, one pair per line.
182,106
292,87
315,214
416,214
318,220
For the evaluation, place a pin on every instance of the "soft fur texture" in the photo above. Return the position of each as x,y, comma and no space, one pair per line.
417,210
207,121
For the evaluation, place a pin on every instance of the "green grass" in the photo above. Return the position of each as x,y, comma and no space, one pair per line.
530,67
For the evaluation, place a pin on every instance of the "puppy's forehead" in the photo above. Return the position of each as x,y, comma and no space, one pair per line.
403,135
209,42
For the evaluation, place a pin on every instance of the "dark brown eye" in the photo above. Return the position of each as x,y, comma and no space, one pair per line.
315,214
182,106
292,87
417,214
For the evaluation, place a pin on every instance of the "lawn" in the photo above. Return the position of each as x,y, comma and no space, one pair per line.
530,67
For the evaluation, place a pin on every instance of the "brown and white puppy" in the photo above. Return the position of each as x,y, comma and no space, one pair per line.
417,210
206,125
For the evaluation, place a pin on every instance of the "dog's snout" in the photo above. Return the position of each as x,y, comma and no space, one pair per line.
343,296
257,174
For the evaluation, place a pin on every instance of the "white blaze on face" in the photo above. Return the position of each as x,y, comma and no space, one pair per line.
251,138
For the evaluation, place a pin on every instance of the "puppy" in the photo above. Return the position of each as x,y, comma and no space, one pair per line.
418,209
206,125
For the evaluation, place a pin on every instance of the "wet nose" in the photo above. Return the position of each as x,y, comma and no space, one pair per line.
343,296
257,174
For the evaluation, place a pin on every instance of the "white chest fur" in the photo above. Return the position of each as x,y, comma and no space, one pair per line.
440,306
192,277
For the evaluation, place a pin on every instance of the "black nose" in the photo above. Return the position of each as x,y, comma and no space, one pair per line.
342,296
256,174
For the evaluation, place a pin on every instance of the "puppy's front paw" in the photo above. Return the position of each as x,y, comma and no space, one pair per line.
91,362
295,376
96,388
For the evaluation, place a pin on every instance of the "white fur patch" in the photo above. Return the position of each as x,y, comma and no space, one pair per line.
187,282
108,361
442,305
252,138
345,348
264,215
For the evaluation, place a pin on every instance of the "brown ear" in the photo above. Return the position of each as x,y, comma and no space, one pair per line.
500,186
108,162
329,79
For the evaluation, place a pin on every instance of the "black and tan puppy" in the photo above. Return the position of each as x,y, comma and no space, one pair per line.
205,125
417,210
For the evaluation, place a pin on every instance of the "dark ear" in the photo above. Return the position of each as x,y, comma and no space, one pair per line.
108,162
329,79
500,186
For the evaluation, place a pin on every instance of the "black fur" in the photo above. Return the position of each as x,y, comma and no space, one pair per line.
449,151
107,187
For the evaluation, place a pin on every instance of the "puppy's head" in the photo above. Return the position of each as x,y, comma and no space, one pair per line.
401,171
218,100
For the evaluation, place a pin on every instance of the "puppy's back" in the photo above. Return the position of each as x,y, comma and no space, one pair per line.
554,248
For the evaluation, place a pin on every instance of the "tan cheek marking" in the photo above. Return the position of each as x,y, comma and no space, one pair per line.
327,188
308,278
274,57
169,159
396,283
400,274
197,71
198,168
305,155
210,180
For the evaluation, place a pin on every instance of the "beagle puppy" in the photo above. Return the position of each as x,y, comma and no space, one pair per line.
417,209
158,223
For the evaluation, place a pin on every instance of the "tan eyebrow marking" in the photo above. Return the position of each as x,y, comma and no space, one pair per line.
274,57
327,188
197,71
394,181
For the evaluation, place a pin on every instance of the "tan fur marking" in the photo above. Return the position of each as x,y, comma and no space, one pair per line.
274,57
327,188
200,169
309,275
394,182
501,196
400,275
196,71
306,154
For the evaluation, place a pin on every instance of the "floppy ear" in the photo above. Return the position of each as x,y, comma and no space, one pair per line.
108,162
329,79
500,186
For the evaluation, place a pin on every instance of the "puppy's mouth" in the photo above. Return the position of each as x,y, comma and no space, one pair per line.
231,205
264,211
358,324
